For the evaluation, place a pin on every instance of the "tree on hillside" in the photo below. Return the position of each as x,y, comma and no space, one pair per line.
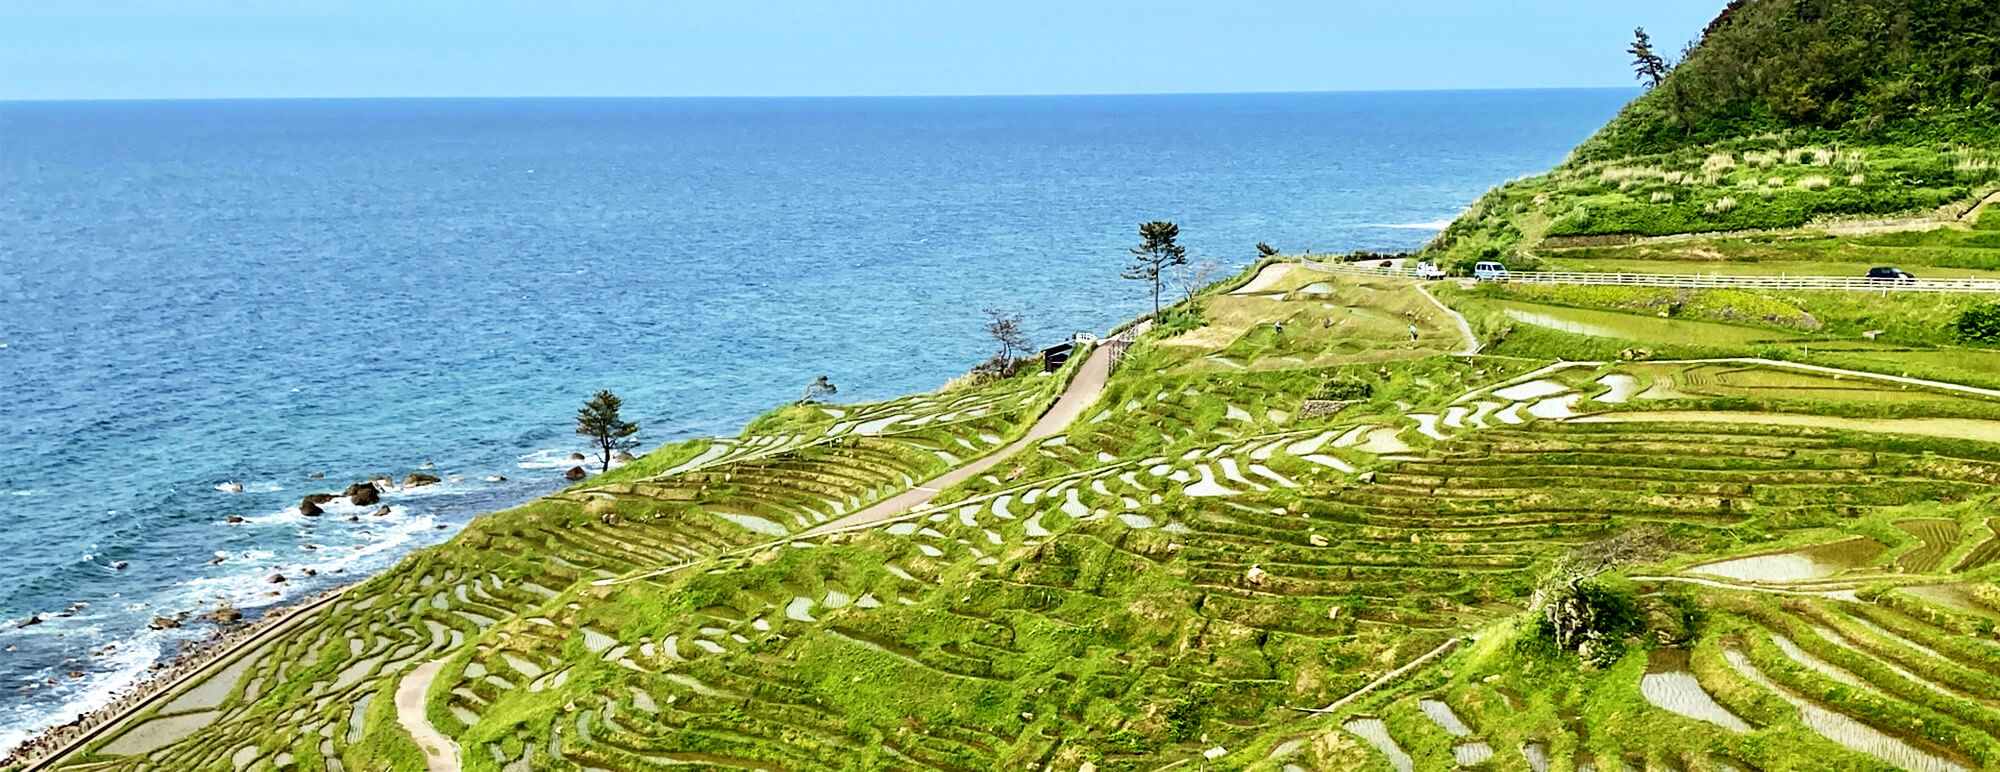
1005,329
598,419
1265,250
1194,277
1156,253
820,387
1647,66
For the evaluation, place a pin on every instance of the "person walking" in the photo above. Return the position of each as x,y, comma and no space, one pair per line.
1413,333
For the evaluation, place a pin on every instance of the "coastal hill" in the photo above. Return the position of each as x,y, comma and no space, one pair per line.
1784,119
1318,515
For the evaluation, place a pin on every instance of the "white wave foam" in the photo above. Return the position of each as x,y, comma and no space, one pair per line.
548,459
123,666
21,493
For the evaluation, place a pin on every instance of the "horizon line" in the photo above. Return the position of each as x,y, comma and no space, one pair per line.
1020,95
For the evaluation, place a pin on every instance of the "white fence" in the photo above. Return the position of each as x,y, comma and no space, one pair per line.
1695,280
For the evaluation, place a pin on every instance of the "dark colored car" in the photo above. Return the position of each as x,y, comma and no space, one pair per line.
1887,273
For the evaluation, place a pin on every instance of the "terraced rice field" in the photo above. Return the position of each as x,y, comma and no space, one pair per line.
1176,581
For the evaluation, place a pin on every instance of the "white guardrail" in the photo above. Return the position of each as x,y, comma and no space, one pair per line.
1693,280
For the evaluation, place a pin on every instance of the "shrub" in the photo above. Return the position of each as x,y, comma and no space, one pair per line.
1989,220
1590,619
1185,716
1345,389
1722,205
1979,324
1179,319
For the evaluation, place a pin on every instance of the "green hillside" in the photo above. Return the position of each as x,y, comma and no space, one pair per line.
1785,113
1323,518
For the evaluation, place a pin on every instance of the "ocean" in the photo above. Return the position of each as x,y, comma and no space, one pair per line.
293,295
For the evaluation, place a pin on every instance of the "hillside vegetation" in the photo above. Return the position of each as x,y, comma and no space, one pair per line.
1784,113
1311,520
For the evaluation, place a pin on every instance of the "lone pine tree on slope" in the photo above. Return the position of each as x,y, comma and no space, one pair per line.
1155,253
598,419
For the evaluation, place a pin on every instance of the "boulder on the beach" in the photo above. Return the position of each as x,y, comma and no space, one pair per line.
224,614
574,473
164,623
419,479
362,494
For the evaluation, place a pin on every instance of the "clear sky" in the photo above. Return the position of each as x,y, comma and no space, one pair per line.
99,49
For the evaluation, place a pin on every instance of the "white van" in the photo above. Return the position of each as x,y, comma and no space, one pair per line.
1489,271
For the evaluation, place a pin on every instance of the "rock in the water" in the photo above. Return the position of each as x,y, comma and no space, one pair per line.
275,579
622,456
215,561
310,509
225,614
164,623
319,498
574,473
362,494
419,479
120,565
576,456
316,476
236,519
33,620
383,512
496,478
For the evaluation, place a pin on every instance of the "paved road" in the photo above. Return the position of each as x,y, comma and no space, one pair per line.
440,753
1082,392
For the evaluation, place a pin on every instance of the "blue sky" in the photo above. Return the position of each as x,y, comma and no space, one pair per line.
99,49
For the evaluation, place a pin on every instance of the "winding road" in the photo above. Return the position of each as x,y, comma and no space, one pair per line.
1083,390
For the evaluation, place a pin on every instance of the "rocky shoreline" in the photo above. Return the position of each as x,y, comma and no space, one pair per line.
226,638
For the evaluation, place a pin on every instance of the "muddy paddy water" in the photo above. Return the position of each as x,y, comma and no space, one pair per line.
1807,563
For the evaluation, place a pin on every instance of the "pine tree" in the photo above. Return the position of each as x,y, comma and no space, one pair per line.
598,419
1155,253
1647,66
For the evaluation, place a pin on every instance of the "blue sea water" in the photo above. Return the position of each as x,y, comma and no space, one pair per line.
199,293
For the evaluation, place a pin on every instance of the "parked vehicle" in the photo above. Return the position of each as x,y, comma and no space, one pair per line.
1429,271
1489,271
1889,273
